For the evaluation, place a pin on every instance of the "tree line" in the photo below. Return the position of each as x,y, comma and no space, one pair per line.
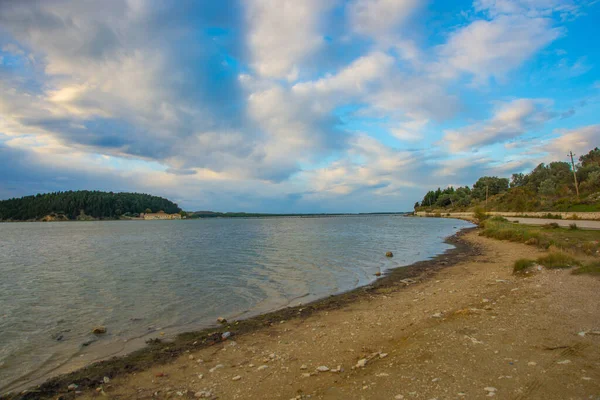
74,204
547,187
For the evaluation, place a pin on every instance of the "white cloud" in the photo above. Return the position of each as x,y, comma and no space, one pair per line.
486,49
579,140
379,18
510,121
282,33
531,8
410,131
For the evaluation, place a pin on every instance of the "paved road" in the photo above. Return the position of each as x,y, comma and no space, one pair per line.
562,222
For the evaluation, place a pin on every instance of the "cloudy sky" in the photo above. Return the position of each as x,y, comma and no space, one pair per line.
291,105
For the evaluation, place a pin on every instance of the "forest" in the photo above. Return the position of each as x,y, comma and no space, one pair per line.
83,204
548,187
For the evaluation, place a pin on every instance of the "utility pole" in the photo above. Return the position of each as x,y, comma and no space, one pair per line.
574,173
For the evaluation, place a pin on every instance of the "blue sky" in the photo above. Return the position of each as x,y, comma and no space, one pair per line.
291,105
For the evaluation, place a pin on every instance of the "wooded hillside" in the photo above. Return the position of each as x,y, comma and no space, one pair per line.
71,204
548,187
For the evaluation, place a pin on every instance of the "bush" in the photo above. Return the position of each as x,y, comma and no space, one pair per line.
522,265
573,226
552,225
591,269
498,218
480,214
558,260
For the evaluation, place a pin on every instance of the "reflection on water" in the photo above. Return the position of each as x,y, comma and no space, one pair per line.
58,280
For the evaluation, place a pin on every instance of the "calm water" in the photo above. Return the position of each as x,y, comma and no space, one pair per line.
139,278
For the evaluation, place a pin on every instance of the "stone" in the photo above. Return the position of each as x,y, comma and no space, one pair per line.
490,389
236,378
203,394
221,320
398,397
322,368
216,367
303,366
72,386
200,376
563,362
361,363
437,315
378,273
106,379
262,367
389,254
98,330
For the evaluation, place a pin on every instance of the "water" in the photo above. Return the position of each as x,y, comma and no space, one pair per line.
139,278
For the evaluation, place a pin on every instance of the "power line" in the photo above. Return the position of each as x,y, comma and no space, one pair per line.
574,172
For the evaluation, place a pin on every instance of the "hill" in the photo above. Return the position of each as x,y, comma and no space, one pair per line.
82,204
548,187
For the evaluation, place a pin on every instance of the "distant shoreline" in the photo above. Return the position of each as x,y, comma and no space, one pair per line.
262,216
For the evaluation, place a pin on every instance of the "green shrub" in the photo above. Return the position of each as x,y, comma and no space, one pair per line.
591,269
522,265
552,225
480,214
498,218
558,260
573,226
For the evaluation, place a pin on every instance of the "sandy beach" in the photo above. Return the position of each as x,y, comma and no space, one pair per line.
459,326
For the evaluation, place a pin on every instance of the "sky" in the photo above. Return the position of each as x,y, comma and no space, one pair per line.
291,105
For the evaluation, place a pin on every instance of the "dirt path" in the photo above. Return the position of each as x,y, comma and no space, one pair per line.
473,331
564,223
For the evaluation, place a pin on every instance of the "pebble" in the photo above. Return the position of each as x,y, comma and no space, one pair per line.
361,363
437,315
99,330
262,367
490,389
221,320
322,368
306,375
203,394
586,378
303,366
563,362
216,367
236,378
191,357
106,379
72,386
532,363
398,397
383,355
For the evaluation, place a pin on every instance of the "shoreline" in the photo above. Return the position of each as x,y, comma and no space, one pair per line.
158,352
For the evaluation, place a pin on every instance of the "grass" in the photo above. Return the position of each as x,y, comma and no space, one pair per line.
522,265
590,269
558,260
572,240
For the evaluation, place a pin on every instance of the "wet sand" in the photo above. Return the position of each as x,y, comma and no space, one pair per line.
458,326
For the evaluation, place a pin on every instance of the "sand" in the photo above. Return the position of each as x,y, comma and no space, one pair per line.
471,330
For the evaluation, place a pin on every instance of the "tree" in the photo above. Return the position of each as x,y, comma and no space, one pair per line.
489,186
518,180
591,158
547,187
148,211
